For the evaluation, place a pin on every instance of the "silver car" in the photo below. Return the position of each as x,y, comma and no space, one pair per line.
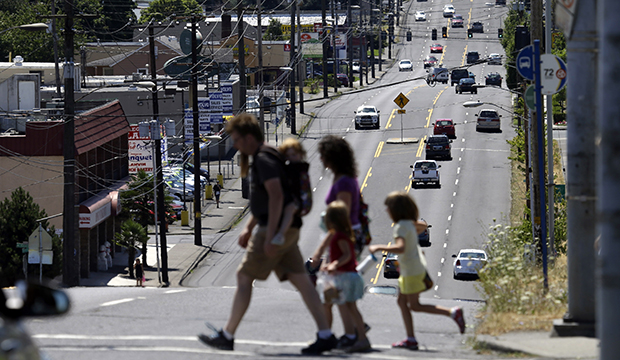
468,262
488,119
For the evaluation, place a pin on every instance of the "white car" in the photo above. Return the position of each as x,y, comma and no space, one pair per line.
488,119
356,67
367,116
495,59
405,65
468,262
420,15
448,10
425,172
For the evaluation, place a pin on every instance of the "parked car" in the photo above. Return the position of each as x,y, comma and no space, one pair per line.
438,146
430,61
457,74
391,269
425,172
468,262
466,85
203,172
444,127
472,57
493,79
343,79
420,15
457,20
175,188
448,10
495,59
405,65
488,119
367,116
439,74
477,27
356,67
424,238
436,48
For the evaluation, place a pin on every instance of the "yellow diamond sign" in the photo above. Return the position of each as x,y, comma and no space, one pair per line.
401,100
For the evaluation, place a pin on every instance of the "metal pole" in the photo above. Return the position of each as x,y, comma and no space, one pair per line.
196,130
242,75
541,162
300,73
40,254
55,42
550,178
293,66
536,188
153,135
261,82
324,42
350,43
372,48
158,165
71,237
334,49
608,273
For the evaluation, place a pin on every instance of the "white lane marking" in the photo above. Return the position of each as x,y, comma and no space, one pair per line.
458,170
451,205
116,302
447,231
463,139
439,274
460,159
445,245
454,193
442,260
449,217
313,190
174,291
456,182
320,178
436,287
462,149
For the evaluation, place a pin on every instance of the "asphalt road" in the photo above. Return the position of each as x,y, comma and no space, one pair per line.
158,323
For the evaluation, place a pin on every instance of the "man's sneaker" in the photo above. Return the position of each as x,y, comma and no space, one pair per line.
406,344
361,345
457,315
320,345
345,342
217,340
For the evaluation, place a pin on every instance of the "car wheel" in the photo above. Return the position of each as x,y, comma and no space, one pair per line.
455,276
413,185
357,127
475,92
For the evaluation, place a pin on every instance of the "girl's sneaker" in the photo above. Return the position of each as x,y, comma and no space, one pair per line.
406,344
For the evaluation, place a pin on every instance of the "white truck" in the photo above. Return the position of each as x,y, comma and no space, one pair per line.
425,172
367,116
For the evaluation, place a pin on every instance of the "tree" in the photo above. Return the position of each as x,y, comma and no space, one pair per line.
161,9
18,219
118,18
132,234
273,31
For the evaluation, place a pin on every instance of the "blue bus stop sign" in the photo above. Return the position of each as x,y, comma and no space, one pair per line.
525,62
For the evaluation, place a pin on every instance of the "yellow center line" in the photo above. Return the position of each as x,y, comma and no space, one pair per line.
464,56
379,266
420,147
389,122
442,54
379,148
364,184
428,118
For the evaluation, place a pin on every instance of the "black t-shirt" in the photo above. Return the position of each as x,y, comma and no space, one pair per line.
266,166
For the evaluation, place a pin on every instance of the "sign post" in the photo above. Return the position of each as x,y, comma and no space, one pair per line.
401,100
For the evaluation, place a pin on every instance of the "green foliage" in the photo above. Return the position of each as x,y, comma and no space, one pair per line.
273,31
18,219
159,10
118,15
132,234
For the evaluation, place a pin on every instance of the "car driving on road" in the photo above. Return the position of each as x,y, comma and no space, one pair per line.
405,65
493,79
367,116
457,21
436,48
472,57
438,146
390,269
466,85
488,119
420,15
448,10
477,27
444,127
468,262
430,61
425,172
495,59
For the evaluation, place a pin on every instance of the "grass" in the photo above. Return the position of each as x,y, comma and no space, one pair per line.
511,284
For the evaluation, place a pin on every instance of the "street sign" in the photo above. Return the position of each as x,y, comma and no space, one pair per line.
402,111
401,100
33,257
33,240
553,74
22,245
525,62
530,98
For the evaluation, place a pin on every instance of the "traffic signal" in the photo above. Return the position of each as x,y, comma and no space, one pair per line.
434,34
408,35
444,32
470,34
500,33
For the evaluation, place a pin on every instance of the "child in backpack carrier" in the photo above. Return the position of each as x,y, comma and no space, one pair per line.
294,154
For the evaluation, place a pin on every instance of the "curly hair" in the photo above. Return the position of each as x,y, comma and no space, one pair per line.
338,155
401,206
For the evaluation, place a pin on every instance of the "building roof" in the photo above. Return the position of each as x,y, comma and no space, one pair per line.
100,125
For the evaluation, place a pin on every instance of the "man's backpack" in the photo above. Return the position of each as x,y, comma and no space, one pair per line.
364,220
297,180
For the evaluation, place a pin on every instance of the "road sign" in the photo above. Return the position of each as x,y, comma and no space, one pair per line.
33,240
33,257
22,245
402,111
401,100
553,74
530,98
525,62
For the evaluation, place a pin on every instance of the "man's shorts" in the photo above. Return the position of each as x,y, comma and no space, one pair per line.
288,259
411,284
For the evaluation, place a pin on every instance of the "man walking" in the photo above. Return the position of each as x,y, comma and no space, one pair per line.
267,199
216,192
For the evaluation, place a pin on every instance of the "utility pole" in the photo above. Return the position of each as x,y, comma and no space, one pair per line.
300,72
372,47
390,34
55,42
324,39
350,43
292,66
196,138
608,273
586,97
550,177
242,76
261,82
71,235
335,50
537,187
158,166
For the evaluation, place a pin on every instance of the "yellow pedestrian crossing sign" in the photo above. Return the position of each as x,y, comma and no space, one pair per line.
401,100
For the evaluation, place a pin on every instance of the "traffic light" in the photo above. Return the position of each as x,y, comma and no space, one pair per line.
444,32
500,33
434,34
408,35
470,34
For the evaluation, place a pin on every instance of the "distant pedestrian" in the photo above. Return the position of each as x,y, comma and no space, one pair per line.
342,265
139,272
216,192
268,199
412,264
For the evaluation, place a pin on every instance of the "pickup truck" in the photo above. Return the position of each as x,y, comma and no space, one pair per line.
425,172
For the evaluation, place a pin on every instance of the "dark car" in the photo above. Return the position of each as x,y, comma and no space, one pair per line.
457,74
343,79
472,57
203,172
477,27
444,127
493,79
424,238
466,85
438,146
391,270
430,61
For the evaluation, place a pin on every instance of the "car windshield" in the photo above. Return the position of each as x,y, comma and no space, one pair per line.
458,17
431,58
405,62
472,255
444,123
488,113
428,164
367,110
